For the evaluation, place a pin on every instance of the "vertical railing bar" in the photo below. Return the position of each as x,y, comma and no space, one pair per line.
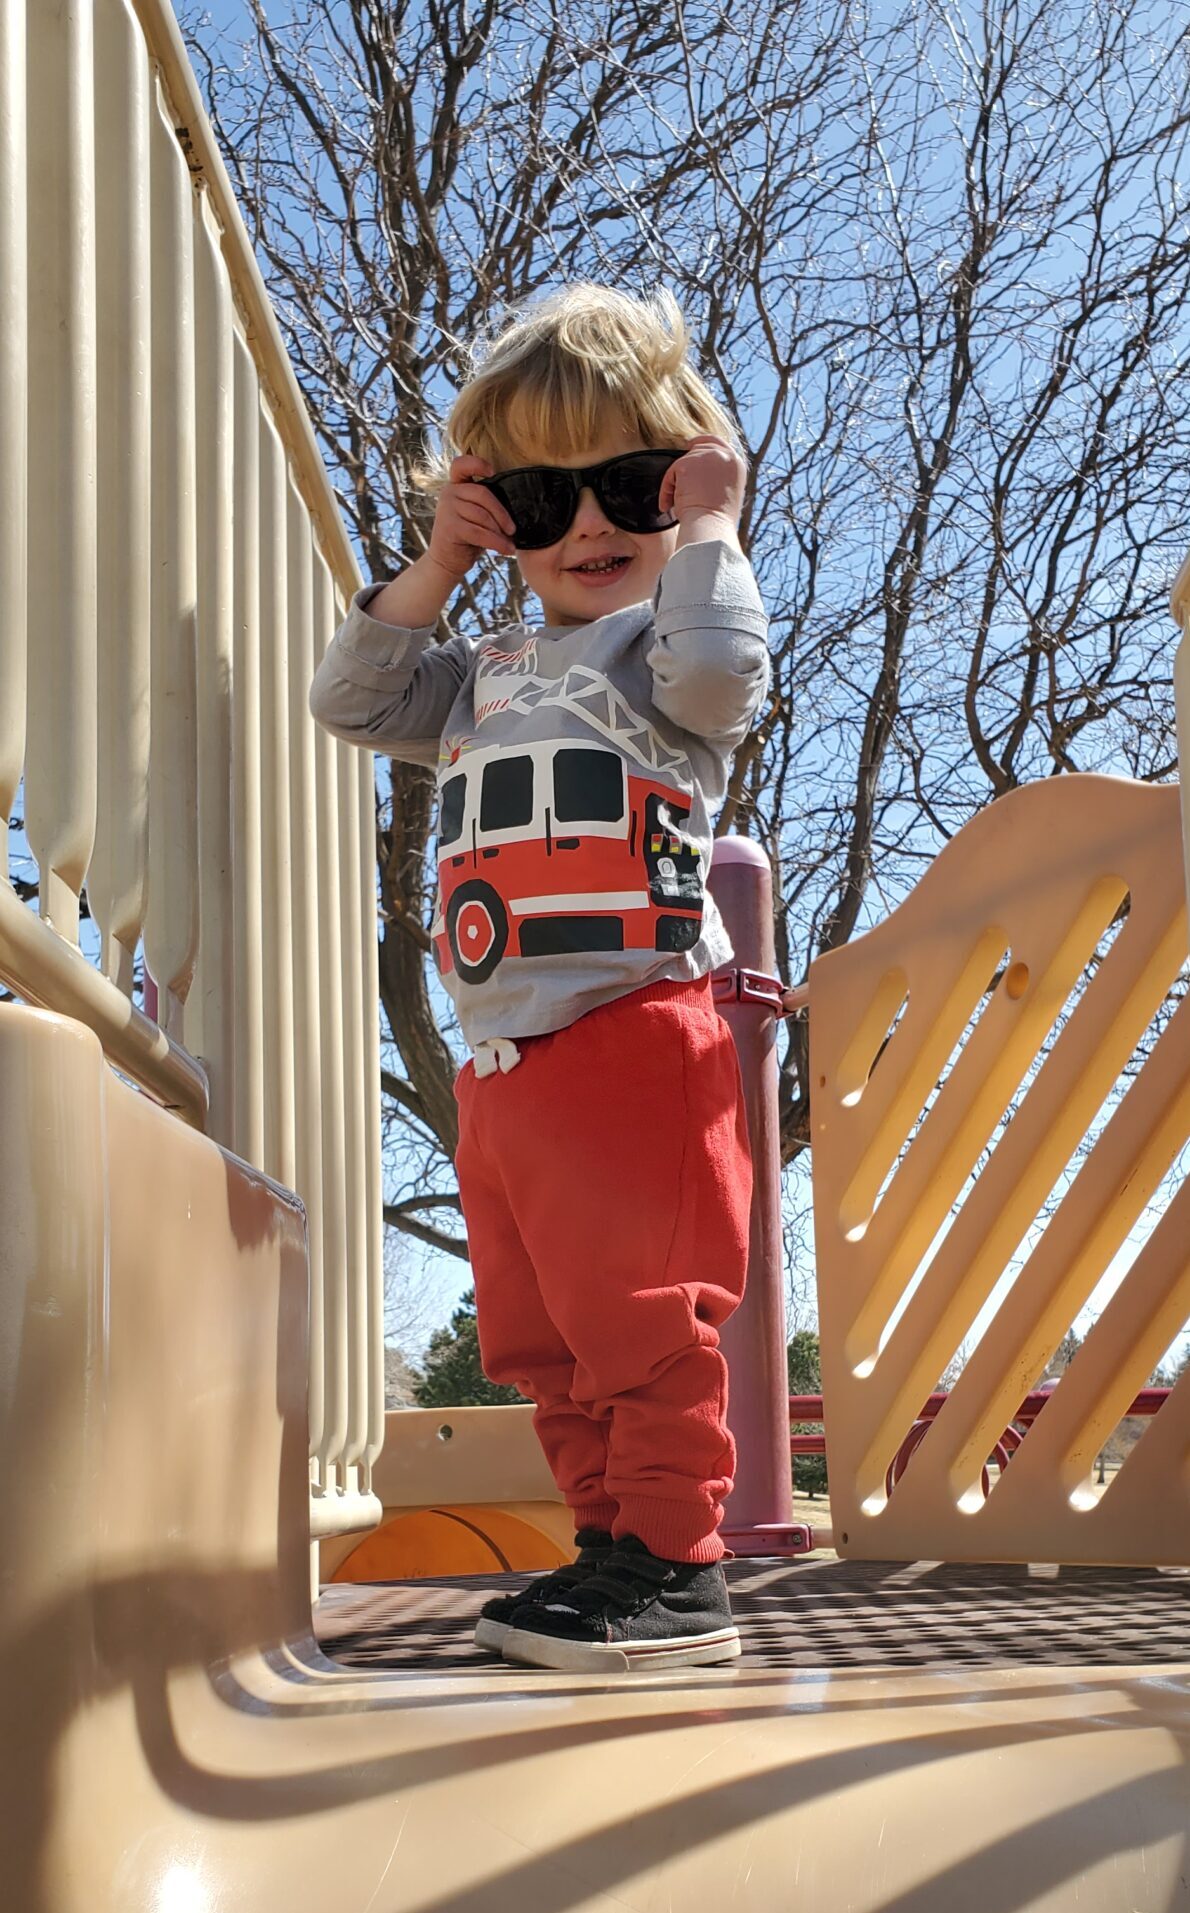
247,864
60,767
374,1263
328,1307
280,1146
14,444
117,881
171,927
213,1033
356,1125
306,969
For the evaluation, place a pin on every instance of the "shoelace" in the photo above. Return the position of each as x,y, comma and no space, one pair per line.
624,1581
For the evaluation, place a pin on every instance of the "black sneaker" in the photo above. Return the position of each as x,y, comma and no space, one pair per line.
635,1611
495,1616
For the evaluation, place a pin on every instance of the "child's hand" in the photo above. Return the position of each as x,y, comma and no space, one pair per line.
469,520
709,477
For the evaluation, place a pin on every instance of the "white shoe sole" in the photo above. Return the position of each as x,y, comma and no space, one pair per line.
530,1649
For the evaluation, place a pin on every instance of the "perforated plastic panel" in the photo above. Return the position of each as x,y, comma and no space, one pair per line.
918,1217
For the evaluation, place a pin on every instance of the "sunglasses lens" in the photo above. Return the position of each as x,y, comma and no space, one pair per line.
630,488
541,503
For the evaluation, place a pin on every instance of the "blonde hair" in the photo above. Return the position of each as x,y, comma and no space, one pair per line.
564,367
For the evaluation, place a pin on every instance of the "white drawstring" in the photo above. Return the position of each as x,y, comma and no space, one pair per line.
498,1053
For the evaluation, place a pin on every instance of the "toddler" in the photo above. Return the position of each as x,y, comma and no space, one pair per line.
603,1159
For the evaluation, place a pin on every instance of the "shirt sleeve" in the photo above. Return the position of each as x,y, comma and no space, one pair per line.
709,657
388,686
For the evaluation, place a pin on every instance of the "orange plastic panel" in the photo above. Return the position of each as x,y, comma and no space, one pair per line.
460,1540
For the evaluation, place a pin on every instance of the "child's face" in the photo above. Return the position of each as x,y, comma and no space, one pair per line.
570,595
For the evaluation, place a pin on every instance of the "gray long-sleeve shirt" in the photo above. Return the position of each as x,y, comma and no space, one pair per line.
578,770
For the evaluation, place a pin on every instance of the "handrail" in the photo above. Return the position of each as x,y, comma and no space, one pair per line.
56,976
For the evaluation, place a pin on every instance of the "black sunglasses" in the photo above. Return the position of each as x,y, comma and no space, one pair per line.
543,499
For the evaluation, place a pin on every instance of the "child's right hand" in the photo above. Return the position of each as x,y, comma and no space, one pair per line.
469,519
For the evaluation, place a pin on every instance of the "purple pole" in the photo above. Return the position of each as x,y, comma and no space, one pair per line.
753,1340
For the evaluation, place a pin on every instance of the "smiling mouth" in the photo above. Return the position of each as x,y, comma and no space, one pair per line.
598,567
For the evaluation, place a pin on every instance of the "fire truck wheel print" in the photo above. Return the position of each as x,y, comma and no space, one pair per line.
477,925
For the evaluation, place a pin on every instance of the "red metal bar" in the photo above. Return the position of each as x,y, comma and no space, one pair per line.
809,1407
760,1508
776,1537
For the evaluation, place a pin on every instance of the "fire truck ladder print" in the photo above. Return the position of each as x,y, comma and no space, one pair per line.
594,699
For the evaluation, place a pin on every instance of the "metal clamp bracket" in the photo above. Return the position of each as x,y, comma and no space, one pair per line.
750,986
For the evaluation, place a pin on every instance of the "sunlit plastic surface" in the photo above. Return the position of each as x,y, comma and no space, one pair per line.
173,1739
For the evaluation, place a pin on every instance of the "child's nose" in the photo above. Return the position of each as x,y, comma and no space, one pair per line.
590,516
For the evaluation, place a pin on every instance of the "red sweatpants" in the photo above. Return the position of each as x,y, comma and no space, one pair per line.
606,1182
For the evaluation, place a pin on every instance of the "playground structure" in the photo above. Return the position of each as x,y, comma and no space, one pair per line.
190,1356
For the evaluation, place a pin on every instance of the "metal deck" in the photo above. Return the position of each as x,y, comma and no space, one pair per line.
823,1614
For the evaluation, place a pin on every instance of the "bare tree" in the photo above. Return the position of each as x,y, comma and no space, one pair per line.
416,1299
937,264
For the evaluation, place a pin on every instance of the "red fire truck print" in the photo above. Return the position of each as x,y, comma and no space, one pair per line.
557,848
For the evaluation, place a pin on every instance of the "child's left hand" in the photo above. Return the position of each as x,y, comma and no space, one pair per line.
709,477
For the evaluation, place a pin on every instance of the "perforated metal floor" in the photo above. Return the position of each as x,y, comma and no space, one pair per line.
829,1613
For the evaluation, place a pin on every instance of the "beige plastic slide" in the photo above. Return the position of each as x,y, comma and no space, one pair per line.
174,1743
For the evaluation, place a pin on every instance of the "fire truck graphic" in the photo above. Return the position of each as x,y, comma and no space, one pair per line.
557,848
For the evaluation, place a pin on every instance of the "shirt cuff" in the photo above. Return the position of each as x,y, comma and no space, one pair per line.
377,645
709,585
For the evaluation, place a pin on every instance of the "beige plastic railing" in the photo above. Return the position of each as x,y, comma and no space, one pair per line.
172,563
1024,895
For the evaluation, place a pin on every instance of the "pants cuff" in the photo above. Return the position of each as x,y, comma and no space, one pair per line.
675,1530
594,1514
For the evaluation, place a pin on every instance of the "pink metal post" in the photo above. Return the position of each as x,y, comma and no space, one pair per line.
758,1517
